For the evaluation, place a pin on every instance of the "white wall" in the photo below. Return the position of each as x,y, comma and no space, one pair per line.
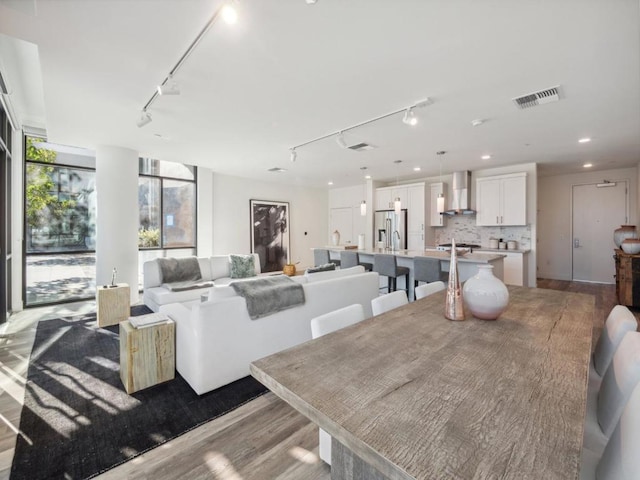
554,219
205,212
231,229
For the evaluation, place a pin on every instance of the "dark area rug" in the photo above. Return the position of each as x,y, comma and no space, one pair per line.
77,420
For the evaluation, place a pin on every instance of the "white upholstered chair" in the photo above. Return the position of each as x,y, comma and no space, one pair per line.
322,325
387,302
620,460
618,382
427,289
619,322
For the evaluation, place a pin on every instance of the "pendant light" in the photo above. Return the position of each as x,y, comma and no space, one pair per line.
397,203
363,205
440,199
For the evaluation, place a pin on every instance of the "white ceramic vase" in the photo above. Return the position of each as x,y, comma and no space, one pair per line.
335,238
623,232
485,296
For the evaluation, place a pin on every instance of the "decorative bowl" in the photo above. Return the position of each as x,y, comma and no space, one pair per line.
631,246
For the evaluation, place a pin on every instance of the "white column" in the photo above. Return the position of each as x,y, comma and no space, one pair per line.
118,216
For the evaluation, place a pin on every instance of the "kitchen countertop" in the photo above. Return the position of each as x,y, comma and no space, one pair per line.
468,257
501,250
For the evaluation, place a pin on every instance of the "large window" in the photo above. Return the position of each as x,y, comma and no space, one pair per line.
167,204
60,218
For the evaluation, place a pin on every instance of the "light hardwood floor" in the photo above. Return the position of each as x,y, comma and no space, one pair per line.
264,439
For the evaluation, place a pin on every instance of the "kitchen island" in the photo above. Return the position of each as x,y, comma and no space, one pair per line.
467,263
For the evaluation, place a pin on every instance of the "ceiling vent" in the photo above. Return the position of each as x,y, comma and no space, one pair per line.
538,98
277,170
361,147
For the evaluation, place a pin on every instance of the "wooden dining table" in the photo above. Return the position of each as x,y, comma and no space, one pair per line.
411,395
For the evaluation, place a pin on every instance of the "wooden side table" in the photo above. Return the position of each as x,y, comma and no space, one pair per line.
113,304
147,355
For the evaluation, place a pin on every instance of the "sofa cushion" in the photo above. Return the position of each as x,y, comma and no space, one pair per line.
182,286
321,268
242,266
223,291
162,296
342,272
179,269
219,266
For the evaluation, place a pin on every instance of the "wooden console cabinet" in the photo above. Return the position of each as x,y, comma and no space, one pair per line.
627,278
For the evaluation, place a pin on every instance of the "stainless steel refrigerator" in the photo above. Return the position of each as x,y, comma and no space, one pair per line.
391,229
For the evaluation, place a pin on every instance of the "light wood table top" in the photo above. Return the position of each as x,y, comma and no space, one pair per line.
417,396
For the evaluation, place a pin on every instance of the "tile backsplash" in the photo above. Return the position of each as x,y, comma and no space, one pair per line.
464,230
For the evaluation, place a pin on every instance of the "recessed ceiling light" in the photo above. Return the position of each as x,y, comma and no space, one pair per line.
368,177
584,140
588,165
485,157
416,169
477,122
330,183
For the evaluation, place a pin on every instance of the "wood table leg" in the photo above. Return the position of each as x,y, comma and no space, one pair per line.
345,465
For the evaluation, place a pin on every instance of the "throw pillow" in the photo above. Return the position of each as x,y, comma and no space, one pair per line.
242,266
322,268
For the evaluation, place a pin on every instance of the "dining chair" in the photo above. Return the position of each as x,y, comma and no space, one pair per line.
387,265
426,269
620,460
352,259
427,289
618,382
387,302
618,323
321,257
322,325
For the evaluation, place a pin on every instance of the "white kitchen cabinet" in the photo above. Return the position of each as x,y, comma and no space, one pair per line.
386,196
436,219
514,266
502,200
384,200
415,216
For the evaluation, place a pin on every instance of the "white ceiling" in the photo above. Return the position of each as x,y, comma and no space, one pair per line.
289,72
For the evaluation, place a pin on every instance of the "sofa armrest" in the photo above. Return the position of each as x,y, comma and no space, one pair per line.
152,276
187,342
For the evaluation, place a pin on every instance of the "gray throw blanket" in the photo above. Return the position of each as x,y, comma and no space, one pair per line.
179,269
184,286
268,295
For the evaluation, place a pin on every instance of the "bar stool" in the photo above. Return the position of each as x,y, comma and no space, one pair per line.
352,259
321,257
426,269
387,265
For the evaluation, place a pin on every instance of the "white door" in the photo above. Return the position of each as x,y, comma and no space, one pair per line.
597,212
341,219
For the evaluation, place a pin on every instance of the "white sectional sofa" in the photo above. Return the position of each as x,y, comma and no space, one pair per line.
216,340
213,269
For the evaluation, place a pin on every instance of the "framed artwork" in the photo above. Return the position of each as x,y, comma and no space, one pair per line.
270,233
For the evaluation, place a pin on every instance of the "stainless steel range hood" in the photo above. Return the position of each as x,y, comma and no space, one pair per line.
461,201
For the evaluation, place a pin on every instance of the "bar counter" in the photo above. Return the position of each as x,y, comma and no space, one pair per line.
467,263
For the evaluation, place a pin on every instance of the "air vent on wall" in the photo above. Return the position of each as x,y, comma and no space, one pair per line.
361,147
538,98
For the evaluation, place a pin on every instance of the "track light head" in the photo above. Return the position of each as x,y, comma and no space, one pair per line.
294,155
340,141
410,117
169,87
145,117
229,14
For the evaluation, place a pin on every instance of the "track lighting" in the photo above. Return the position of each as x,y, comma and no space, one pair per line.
169,87
145,117
340,141
410,117
294,155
